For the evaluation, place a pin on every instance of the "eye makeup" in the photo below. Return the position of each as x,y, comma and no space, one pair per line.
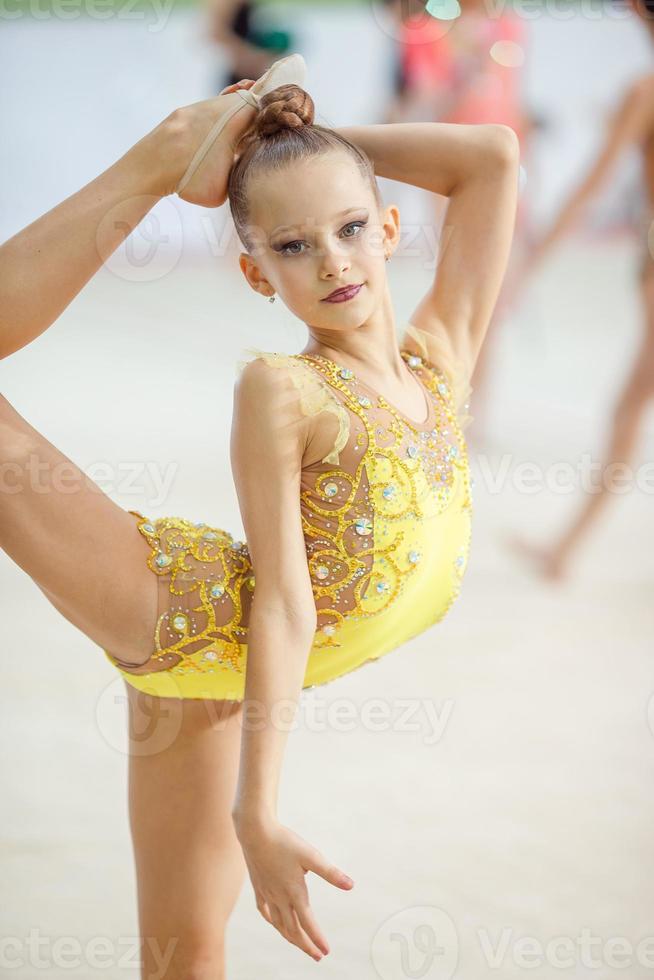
283,247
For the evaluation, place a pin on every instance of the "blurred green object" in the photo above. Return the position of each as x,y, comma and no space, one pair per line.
272,40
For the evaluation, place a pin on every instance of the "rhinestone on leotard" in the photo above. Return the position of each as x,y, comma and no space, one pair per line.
364,401
180,622
148,528
210,536
331,489
389,491
322,571
414,361
414,556
382,586
162,560
363,525
346,373
217,591
442,388
329,629
412,451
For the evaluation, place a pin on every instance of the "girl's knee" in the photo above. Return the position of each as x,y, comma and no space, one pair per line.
192,958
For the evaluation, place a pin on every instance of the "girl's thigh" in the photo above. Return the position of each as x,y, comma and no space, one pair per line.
183,769
79,547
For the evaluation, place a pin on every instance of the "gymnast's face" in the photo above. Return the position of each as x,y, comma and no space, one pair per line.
316,227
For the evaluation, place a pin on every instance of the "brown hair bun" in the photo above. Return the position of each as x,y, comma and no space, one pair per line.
286,107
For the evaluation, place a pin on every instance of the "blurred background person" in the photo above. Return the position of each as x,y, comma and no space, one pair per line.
632,126
465,69
250,45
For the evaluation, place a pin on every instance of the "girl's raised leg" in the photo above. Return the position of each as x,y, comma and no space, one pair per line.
39,278
183,768
82,550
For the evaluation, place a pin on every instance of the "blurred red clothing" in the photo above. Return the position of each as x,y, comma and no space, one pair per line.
451,61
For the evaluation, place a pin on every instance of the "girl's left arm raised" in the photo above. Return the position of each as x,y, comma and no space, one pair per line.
476,167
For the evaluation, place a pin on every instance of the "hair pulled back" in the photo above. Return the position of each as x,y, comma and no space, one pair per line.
282,133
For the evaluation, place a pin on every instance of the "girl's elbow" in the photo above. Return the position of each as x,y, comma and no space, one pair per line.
503,144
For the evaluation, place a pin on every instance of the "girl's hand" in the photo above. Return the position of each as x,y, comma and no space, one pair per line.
277,860
184,131
244,83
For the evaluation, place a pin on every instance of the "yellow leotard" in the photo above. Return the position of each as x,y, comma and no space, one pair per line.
386,518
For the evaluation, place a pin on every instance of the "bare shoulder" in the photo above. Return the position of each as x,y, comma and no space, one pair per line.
296,400
267,409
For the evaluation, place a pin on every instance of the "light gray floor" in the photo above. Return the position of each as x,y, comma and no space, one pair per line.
528,813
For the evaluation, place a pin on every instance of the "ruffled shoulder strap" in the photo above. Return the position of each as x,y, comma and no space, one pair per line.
436,350
315,393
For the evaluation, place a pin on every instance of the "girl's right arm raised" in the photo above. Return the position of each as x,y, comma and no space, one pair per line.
268,439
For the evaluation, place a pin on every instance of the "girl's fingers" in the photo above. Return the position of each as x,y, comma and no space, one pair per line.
265,911
276,918
289,927
329,872
244,83
314,949
311,927
295,934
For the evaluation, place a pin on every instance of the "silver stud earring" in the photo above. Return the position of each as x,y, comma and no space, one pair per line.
271,299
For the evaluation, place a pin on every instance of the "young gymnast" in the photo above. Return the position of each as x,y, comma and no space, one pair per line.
632,125
348,457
